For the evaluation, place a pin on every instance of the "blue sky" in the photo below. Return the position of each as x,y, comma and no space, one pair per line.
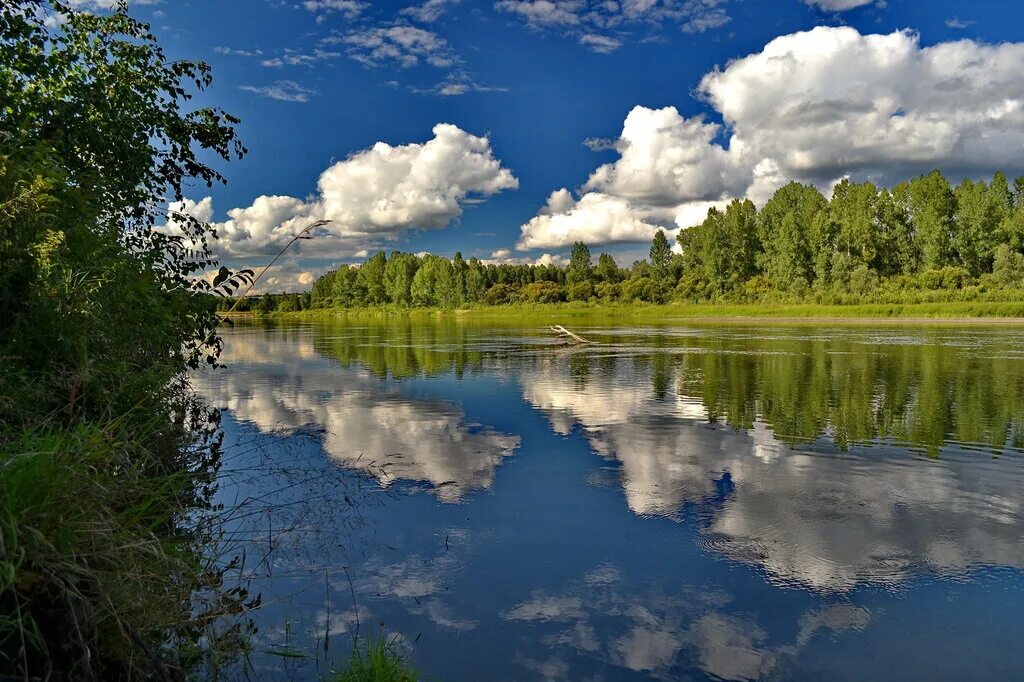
526,83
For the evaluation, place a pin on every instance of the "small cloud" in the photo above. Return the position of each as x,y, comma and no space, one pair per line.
349,8
285,91
600,144
599,43
429,11
841,5
457,83
711,18
291,58
402,46
953,22
588,22
505,257
220,49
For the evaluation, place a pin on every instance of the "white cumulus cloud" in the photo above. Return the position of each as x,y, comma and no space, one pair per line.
596,219
373,195
831,101
666,159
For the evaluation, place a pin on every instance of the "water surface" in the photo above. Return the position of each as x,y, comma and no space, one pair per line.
678,502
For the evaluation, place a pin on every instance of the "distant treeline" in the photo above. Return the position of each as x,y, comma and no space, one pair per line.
921,241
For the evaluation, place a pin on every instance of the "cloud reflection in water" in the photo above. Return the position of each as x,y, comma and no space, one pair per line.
278,382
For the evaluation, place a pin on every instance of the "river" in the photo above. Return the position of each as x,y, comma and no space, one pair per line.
678,501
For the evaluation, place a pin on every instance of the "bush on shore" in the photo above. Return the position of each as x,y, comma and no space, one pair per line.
107,459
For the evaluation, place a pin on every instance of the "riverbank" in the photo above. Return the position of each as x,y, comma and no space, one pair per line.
909,313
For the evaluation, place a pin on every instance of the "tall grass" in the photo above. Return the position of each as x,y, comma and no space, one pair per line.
377,659
102,576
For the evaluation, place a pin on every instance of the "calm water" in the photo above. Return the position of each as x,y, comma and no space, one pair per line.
679,502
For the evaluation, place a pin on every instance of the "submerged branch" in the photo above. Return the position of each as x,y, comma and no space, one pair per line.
565,333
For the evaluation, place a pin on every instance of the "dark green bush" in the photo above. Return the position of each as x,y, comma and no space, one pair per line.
542,292
500,294
580,292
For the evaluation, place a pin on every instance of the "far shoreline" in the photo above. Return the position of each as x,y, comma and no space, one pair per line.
947,313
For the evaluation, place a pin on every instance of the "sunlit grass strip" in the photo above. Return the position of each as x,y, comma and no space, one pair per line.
991,311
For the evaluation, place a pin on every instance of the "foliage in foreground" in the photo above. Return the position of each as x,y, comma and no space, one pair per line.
107,460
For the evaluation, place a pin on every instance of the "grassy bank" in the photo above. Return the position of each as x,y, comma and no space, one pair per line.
980,312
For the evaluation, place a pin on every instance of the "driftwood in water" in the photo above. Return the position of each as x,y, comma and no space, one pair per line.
568,335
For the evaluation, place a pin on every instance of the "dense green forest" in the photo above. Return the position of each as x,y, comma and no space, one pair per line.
921,241
107,456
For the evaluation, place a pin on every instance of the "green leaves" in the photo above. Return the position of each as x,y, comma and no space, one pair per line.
228,283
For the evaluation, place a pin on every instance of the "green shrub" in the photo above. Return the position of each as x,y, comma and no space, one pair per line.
608,292
1008,267
581,291
692,288
641,289
944,278
500,294
542,292
863,280
97,559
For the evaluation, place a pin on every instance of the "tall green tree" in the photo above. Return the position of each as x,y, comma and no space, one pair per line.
370,280
722,251
853,211
459,272
980,213
661,255
1012,229
931,205
476,281
784,231
433,284
398,276
580,268
898,250
607,269
347,291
